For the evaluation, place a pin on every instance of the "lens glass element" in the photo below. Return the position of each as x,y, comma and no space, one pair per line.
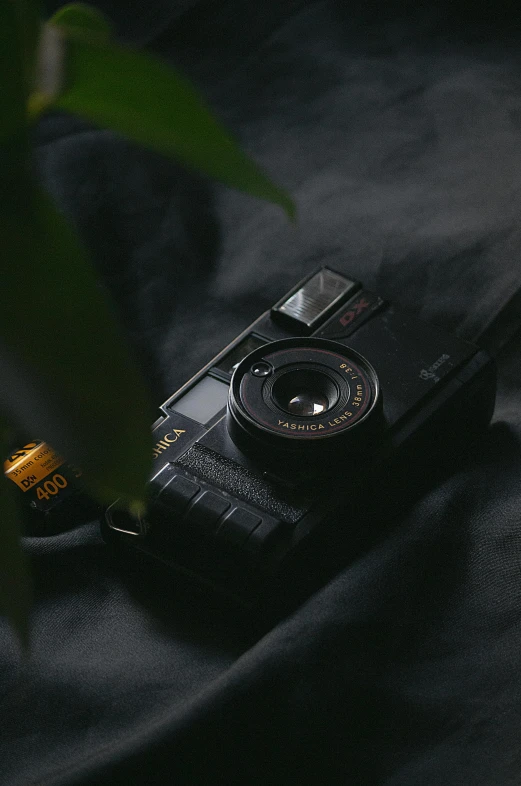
307,403
305,392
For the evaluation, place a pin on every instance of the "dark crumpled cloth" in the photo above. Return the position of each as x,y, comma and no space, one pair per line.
398,131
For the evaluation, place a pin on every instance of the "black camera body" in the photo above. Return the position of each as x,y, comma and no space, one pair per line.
302,438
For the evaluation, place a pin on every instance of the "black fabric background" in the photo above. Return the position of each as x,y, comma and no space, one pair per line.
398,131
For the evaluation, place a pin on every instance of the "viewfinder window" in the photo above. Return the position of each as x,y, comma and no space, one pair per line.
203,401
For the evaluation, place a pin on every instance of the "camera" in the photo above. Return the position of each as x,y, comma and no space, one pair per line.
298,442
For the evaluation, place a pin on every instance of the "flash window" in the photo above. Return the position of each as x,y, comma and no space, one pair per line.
305,308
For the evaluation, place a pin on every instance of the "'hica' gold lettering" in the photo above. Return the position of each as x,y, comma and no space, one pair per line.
167,440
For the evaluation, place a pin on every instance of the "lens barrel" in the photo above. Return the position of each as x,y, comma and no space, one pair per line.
303,396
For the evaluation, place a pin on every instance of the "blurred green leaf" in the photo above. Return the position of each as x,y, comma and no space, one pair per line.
147,101
19,25
67,376
66,371
12,94
29,22
15,594
82,19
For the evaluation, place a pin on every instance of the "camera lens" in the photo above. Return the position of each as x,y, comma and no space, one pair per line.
317,396
307,404
305,392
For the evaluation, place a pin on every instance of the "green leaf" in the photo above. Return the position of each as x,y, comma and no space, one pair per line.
15,592
12,110
67,374
29,24
82,19
149,102
18,33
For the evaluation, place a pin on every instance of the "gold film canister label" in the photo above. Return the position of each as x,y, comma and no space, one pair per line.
32,463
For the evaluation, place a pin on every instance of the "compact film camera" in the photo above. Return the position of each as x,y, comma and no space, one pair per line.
285,451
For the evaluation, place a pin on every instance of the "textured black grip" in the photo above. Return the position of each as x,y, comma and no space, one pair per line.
244,484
